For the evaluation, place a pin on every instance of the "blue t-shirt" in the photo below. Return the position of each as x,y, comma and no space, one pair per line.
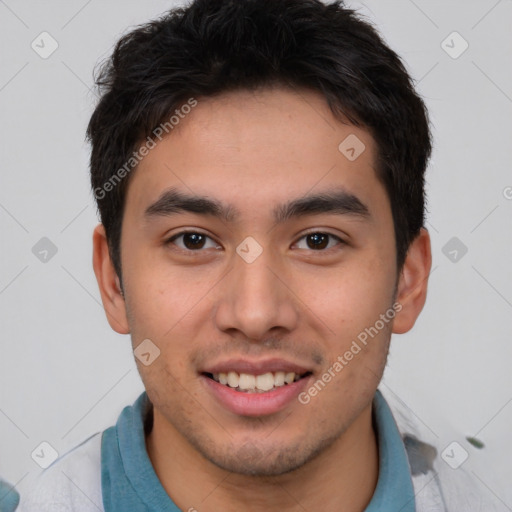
129,481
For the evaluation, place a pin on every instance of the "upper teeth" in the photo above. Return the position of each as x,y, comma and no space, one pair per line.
264,382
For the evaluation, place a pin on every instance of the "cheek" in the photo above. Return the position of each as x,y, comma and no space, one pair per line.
162,296
351,297
170,309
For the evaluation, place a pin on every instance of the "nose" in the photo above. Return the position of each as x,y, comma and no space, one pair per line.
256,298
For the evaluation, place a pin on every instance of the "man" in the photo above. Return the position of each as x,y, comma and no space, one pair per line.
259,168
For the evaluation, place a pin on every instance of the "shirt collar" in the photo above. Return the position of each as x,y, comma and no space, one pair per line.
394,491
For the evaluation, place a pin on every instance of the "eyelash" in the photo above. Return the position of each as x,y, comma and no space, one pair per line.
181,233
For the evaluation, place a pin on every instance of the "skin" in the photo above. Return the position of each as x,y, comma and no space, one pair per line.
254,150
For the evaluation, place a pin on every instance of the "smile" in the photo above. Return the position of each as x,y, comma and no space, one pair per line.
248,383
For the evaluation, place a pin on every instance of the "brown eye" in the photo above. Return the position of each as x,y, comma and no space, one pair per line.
192,241
319,241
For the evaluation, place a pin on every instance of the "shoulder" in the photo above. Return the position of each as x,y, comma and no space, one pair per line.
441,479
71,483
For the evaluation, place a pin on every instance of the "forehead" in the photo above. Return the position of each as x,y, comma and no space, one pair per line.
255,148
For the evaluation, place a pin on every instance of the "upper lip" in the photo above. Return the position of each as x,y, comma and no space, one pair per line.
255,367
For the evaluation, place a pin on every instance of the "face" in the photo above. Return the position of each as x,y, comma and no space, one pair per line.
266,285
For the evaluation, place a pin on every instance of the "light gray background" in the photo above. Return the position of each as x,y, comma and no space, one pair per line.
65,375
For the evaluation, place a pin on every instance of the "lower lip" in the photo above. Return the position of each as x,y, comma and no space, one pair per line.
255,404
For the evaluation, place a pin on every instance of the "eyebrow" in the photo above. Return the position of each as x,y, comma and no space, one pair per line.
337,201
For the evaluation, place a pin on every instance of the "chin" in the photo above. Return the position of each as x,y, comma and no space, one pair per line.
267,461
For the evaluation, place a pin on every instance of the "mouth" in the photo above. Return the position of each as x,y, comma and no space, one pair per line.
249,388
262,383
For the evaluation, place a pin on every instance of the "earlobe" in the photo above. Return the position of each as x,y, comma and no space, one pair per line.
108,283
413,281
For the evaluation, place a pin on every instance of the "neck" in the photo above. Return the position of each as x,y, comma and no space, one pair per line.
342,477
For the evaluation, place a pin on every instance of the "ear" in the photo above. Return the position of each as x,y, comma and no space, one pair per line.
108,282
412,283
